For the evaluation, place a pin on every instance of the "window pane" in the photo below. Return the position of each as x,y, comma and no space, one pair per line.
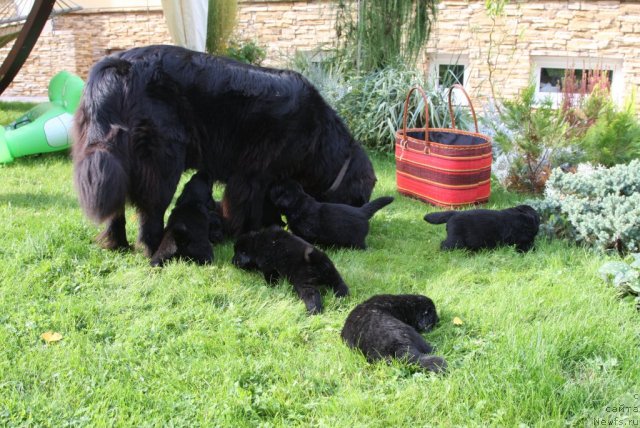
448,74
551,79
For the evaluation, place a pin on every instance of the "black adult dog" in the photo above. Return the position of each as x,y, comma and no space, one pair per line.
387,326
478,229
149,113
277,253
193,225
324,223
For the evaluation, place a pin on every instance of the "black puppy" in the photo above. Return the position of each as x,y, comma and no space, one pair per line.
388,326
193,224
477,229
277,253
325,223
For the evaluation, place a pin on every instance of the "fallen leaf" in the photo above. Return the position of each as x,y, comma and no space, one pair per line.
51,336
457,321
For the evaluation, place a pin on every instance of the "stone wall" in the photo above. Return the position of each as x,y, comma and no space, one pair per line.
74,41
499,51
285,27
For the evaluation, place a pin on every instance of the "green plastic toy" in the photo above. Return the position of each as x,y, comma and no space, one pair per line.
46,127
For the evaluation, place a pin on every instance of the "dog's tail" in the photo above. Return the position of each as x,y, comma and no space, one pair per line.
370,208
439,218
100,136
101,183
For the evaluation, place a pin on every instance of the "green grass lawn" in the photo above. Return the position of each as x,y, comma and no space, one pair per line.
544,341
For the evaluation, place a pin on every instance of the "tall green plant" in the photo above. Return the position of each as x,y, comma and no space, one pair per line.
221,20
381,33
614,137
531,134
373,107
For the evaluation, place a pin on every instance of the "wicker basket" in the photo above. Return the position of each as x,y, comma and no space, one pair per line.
446,167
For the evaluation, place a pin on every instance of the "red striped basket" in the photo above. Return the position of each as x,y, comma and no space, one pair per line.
445,167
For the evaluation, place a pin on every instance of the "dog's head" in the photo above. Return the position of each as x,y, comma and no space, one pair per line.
254,250
244,251
426,316
286,193
357,185
531,214
182,242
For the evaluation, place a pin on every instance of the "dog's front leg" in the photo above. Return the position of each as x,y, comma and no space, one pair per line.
151,229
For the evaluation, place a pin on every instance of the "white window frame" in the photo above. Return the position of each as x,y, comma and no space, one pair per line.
436,60
578,63
449,59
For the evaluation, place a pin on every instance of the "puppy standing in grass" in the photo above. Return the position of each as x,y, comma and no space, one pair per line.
477,229
325,223
387,326
277,253
193,224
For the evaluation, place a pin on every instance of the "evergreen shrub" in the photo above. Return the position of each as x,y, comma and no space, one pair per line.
595,206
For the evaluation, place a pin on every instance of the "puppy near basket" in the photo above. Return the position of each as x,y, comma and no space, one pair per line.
324,223
481,228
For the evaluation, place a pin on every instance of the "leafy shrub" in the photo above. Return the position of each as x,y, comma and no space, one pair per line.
614,137
625,277
373,106
595,206
326,73
531,137
246,51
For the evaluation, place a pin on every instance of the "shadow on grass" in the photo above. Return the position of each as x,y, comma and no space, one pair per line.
31,200
37,160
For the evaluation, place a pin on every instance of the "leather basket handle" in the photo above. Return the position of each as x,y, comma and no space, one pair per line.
426,116
452,116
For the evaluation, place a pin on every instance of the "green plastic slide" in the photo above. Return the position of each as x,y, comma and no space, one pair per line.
46,127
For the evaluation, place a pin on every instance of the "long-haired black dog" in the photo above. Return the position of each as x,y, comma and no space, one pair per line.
478,229
279,254
193,225
324,223
149,113
388,326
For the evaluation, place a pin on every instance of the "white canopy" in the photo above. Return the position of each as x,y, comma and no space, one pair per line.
187,22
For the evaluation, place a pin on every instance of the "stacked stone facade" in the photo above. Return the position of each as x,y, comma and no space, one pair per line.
499,51
502,51
74,41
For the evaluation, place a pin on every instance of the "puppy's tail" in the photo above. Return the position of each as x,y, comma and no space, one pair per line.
369,209
439,218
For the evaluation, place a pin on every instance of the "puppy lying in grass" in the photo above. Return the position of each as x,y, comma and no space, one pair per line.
387,326
325,223
277,253
194,223
477,229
